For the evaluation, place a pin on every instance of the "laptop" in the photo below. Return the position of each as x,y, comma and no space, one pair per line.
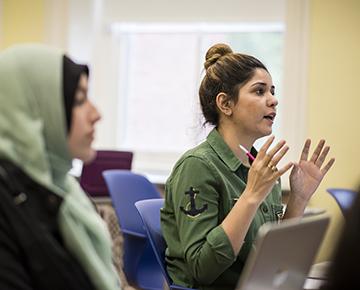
283,254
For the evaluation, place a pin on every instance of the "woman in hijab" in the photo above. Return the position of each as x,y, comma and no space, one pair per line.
50,234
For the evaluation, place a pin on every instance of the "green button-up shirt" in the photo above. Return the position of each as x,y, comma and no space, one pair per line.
201,190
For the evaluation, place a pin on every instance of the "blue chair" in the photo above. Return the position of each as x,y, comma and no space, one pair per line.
343,197
149,211
140,265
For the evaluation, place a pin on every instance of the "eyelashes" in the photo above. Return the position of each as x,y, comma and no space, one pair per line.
262,91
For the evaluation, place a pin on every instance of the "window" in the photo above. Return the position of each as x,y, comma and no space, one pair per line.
161,66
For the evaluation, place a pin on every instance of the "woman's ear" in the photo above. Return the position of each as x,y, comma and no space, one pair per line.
224,104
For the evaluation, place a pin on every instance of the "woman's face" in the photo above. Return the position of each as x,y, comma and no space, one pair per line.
255,110
84,117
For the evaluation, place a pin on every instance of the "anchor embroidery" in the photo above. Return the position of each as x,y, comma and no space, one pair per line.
191,209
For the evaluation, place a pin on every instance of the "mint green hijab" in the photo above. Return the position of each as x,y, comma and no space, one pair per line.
33,136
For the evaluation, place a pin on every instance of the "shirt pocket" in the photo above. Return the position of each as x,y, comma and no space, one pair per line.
278,212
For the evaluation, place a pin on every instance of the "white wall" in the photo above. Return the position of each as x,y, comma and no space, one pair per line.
190,10
56,19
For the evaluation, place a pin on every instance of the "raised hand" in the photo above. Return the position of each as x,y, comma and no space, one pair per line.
306,175
263,172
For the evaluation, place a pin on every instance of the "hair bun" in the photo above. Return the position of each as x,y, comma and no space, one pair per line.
215,52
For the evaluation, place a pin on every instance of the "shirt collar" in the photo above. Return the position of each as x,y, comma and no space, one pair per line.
223,150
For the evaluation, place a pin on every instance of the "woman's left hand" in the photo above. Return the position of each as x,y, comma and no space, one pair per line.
306,175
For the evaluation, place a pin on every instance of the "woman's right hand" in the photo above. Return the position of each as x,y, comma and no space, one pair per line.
263,172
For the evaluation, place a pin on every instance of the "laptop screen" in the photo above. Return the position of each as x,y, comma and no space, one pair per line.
283,254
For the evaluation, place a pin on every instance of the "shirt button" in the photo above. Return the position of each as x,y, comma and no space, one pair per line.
265,208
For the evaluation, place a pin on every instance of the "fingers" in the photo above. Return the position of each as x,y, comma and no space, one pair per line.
319,162
328,166
284,169
268,156
319,156
270,159
276,148
265,147
275,160
305,151
317,151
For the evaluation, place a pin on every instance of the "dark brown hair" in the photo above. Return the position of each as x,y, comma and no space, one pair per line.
71,76
226,72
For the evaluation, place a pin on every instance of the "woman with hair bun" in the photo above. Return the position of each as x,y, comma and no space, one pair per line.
219,194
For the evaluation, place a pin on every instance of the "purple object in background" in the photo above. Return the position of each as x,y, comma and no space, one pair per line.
91,179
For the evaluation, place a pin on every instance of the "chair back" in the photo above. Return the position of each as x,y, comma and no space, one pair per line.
126,188
149,211
343,197
91,179
140,265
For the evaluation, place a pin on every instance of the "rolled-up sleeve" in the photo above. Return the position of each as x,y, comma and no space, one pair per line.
206,248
